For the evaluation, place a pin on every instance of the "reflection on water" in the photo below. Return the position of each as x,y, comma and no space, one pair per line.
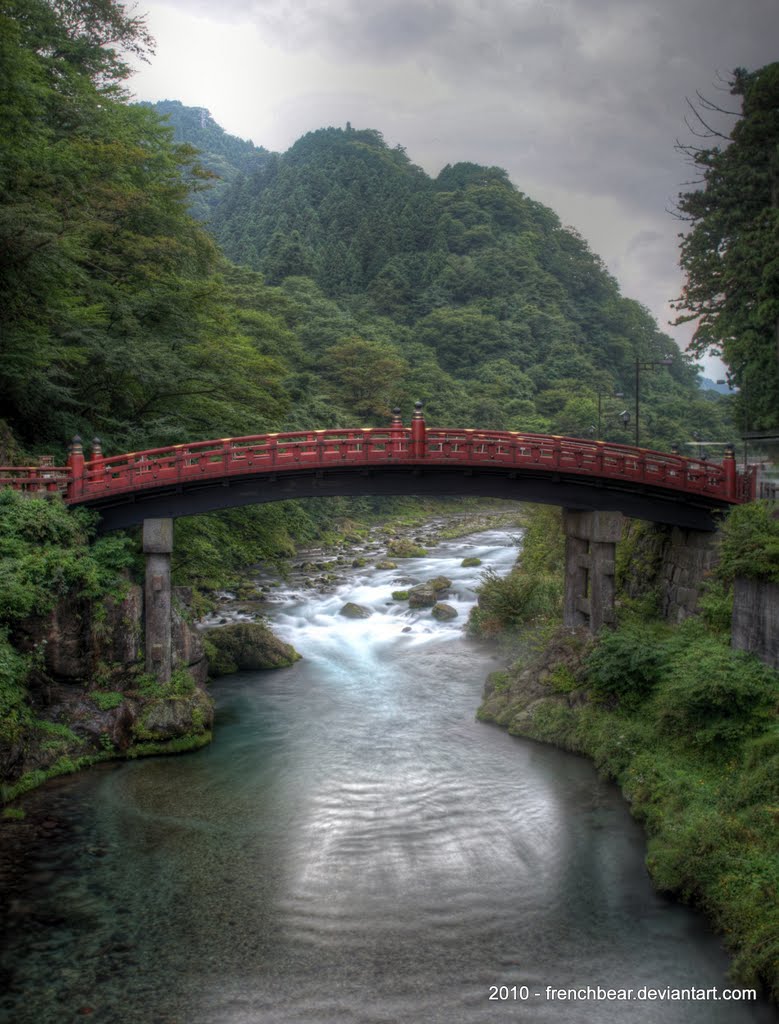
354,847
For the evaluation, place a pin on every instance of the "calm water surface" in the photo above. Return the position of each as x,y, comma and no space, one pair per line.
354,847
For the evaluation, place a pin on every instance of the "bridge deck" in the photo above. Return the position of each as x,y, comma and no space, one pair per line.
393,459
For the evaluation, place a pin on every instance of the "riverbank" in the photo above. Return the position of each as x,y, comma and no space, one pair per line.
687,728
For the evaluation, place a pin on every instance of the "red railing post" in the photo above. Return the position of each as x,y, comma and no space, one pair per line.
396,432
729,468
75,464
96,458
418,431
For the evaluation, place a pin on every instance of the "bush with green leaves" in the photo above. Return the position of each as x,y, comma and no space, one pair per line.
48,551
750,543
715,696
520,598
627,663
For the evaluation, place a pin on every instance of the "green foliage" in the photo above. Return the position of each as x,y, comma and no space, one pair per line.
627,663
107,700
750,543
181,684
520,598
532,593
45,555
715,605
15,713
730,251
716,697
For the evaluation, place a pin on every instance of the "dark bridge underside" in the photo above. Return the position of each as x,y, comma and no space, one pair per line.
638,501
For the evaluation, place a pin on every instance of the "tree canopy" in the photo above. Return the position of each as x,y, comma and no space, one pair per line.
731,252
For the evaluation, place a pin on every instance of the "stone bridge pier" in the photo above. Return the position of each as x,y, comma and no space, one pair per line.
590,546
158,549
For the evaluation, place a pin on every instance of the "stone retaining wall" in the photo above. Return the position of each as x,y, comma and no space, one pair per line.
755,624
687,557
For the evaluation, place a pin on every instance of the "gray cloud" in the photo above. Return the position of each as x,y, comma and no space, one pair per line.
599,85
580,100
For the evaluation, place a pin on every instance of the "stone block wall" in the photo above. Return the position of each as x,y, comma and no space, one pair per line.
669,561
686,559
755,624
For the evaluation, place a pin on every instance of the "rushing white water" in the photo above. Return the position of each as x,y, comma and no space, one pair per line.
354,847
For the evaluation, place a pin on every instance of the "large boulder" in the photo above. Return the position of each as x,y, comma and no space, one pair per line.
443,611
246,646
426,594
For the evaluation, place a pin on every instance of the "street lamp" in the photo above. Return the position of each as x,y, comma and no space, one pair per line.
666,361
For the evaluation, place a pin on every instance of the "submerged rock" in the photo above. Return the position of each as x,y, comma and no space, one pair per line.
246,646
355,611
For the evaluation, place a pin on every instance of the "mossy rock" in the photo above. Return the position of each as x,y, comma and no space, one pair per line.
246,646
443,611
400,595
404,548
386,564
355,611
166,718
470,563
425,595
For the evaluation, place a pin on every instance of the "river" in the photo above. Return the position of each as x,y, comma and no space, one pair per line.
354,847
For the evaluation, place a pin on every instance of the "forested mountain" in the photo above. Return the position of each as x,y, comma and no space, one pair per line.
460,290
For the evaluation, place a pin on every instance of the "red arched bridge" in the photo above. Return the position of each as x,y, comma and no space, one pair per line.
578,474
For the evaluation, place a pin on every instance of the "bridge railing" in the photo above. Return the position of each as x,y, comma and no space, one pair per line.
578,456
104,476
35,479
241,456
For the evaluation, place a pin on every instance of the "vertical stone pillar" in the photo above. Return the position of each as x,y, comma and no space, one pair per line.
158,547
590,542
577,560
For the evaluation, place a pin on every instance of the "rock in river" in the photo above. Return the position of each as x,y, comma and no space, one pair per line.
426,594
443,611
246,645
355,611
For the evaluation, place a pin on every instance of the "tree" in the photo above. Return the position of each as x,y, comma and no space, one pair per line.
731,253
364,376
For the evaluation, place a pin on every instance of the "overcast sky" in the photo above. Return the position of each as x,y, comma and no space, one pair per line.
580,100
